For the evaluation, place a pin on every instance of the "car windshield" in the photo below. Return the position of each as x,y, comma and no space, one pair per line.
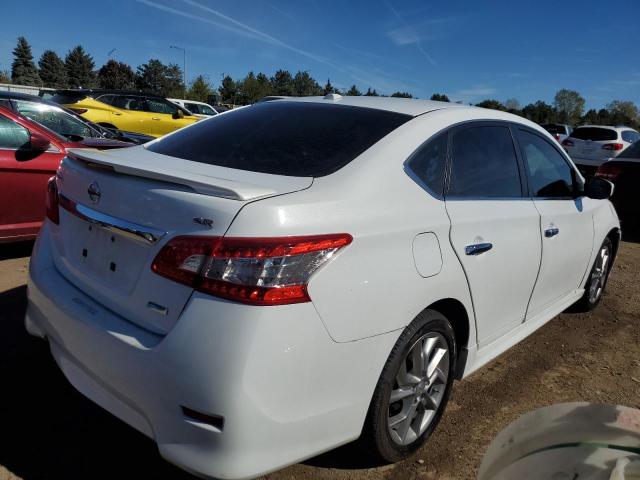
595,134
56,120
633,151
298,139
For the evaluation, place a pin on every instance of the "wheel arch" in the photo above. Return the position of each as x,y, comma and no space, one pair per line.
455,311
615,235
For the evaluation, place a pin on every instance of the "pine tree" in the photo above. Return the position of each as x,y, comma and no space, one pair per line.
200,89
353,91
23,70
52,70
329,88
282,83
371,93
116,75
79,65
5,77
229,90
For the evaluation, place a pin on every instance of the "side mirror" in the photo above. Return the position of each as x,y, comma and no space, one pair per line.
39,142
598,188
179,114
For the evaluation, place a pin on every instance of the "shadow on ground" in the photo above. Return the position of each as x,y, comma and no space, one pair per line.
15,250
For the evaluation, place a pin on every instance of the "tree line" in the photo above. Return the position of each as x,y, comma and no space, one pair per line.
78,70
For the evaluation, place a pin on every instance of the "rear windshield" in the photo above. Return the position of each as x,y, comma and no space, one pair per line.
594,133
65,98
632,151
555,129
283,138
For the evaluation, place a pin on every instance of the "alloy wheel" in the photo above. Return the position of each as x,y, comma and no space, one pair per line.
599,274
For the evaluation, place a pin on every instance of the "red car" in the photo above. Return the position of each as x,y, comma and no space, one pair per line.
32,144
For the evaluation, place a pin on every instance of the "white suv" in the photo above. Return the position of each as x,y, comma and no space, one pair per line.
591,145
264,286
199,109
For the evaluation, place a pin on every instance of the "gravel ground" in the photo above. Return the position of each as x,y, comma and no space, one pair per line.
48,430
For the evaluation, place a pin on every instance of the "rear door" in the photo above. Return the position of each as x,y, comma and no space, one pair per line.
23,180
494,226
129,114
566,220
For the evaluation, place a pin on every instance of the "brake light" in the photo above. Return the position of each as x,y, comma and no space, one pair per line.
257,271
52,201
567,143
608,172
613,146
80,111
557,136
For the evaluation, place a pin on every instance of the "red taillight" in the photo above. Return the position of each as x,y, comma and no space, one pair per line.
609,172
80,111
613,146
53,212
557,136
257,271
567,143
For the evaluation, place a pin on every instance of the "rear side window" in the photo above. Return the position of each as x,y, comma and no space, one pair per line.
108,99
12,135
632,151
428,163
301,139
65,98
484,163
192,107
129,103
630,136
549,173
595,134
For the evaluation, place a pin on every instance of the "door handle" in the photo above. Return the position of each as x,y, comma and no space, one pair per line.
551,232
116,113
477,248
155,118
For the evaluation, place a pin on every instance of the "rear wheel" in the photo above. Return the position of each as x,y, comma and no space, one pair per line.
597,280
413,388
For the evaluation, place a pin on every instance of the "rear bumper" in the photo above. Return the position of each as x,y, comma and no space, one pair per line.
286,390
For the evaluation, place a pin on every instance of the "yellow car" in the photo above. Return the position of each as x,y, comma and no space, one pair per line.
129,111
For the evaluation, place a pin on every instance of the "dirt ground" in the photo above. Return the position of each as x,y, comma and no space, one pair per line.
48,430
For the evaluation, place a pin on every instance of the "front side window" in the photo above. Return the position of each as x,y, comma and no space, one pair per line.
192,107
12,135
428,163
158,105
549,173
484,163
207,110
128,103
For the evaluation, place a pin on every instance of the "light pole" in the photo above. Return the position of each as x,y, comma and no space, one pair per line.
184,68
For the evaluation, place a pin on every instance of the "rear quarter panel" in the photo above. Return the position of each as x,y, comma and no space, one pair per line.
372,286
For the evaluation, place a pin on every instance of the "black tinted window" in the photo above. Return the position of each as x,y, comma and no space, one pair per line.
549,173
484,163
64,98
283,138
594,133
428,163
192,107
108,99
555,129
12,135
129,103
630,136
158,105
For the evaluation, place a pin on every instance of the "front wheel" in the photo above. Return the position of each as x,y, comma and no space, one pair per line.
597,280
413,389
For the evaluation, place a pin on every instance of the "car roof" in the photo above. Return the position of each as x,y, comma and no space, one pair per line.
187,101
407,106
608,127
24,96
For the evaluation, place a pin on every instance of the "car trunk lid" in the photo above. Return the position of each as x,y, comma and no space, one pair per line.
117,210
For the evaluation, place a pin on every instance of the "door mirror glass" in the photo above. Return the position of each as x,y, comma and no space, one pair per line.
598,188
39,142
178,114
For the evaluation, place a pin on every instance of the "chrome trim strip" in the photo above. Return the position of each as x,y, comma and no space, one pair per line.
113,224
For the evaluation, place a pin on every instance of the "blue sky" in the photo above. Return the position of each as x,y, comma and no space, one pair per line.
470,50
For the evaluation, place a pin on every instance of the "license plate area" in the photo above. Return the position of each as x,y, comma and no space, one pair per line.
113,260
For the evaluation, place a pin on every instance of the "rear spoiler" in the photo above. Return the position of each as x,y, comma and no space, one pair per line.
191,175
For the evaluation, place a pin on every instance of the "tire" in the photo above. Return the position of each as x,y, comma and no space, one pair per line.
597,281
418,396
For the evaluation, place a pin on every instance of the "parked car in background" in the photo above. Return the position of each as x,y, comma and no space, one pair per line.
199,109
130,111
284,291
624,172
12,100
33,140
559,131
590,145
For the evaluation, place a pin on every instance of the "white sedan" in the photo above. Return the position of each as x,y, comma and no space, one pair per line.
264,286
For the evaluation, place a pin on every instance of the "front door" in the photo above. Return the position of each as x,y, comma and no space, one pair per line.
566,220
23,180
494,226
